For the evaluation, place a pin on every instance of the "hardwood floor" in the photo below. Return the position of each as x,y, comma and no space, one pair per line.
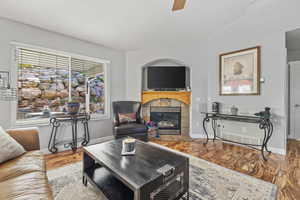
62,158
283,171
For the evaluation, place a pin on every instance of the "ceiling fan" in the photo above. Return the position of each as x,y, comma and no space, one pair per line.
178,5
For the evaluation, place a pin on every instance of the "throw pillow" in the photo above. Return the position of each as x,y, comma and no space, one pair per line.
9,147
125,118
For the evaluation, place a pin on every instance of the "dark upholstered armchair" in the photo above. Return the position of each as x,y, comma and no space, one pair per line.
137,128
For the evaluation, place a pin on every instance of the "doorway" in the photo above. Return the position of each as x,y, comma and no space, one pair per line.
294,110
293,60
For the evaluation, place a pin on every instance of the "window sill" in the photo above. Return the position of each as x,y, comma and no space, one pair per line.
35,122
99,117
45,122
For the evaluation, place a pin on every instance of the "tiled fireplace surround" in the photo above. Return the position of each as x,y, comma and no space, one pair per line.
170,102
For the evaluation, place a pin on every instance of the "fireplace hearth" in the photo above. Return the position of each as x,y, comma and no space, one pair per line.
168,119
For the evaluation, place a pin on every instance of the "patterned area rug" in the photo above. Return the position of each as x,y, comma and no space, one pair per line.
208,181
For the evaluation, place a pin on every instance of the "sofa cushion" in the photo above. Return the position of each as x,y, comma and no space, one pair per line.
130,128
33,186
32,161
27,137
10,148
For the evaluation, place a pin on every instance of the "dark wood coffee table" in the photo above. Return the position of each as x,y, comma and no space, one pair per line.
136,177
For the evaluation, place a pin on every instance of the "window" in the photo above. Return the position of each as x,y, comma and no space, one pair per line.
47,81
91,73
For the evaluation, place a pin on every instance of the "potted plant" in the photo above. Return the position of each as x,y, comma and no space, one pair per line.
152,129
73,107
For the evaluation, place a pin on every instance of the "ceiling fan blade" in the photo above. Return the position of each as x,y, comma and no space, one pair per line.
178,5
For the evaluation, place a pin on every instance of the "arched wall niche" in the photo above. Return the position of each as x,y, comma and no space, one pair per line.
166,62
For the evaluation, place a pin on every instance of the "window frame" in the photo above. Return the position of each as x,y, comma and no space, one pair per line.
45,121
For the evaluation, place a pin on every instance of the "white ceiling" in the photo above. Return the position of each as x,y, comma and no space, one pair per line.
127,24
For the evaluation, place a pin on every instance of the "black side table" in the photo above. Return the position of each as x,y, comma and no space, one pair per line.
56,122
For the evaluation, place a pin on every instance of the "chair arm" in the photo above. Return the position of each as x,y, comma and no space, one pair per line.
27,137
143,121
115,122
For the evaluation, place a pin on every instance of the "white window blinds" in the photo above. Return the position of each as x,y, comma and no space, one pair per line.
88,68
29,58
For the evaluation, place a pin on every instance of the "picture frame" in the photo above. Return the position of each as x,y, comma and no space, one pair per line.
4,80
239,72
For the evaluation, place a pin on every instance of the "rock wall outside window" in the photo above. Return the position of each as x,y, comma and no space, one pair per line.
40,87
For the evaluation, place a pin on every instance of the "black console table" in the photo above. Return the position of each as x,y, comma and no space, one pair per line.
263,122
56,121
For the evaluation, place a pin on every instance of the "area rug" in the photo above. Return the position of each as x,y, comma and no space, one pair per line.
208,181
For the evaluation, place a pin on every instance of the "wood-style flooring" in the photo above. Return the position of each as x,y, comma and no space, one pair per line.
283,171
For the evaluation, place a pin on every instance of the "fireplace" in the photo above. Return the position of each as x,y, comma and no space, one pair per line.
168,119
157,105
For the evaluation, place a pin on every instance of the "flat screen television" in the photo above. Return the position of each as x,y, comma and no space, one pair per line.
166,77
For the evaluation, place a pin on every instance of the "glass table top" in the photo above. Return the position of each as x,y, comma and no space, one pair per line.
240,115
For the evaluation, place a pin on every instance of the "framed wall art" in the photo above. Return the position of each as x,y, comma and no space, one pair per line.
240,72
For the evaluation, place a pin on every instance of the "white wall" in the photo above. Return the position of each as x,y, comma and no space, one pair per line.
264,24
12,31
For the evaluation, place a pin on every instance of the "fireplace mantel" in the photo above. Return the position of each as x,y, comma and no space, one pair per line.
183,96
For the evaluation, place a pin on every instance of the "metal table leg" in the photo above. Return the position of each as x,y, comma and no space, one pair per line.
270,133
52,143
214,126
205,120
50,140
76,127
74,135
267,126
86,133
84,180
264,143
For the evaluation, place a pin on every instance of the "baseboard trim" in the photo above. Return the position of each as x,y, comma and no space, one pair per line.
92,141
198,135
277,150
